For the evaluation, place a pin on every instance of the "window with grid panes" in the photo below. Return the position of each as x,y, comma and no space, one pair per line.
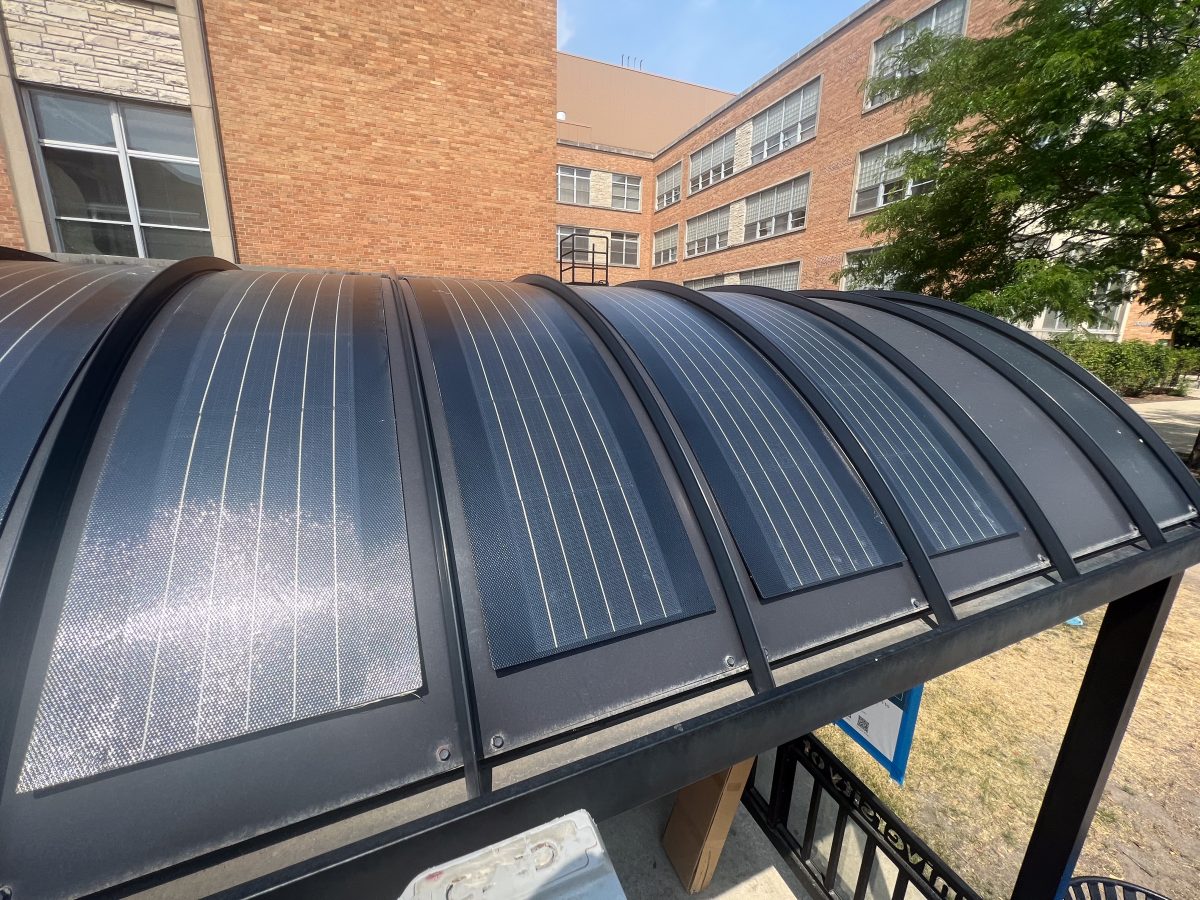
666,186
708,232
623,248
699,284
784,124
711,163
627,192
666,245
853,282
577,248
881,178
783,277
120,178
948,18
574,185
777,210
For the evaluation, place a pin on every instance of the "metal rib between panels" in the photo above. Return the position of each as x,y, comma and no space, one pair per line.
573,538
797,512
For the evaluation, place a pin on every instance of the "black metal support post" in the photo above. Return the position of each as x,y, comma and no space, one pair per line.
1120,659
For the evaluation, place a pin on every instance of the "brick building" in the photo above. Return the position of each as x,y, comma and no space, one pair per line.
323,134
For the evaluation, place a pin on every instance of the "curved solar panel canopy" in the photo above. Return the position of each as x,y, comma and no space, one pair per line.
279,547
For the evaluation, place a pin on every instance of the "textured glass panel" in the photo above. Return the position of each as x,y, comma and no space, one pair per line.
574,536
1147,476
80,120
173,243
154,129
943,496
798,514
169,193
244,561
50,315
102,238
86,185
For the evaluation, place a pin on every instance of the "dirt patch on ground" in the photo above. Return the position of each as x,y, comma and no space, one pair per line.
988,735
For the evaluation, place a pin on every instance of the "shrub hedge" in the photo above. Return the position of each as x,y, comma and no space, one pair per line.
1133,368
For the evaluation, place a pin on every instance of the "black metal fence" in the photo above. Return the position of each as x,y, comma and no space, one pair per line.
837,836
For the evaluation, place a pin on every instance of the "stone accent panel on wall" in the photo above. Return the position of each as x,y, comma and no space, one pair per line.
126,48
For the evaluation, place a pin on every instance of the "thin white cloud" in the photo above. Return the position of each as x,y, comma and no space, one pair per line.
566,26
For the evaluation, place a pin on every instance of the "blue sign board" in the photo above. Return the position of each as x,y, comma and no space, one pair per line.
885,730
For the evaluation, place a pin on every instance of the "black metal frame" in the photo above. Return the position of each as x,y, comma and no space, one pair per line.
518,707
1098,388
1140,517
568,259
884,833
1060,558
654,764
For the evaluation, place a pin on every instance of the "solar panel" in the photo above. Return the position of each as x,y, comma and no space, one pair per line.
50,316
574,536
244,561
943,495
799,515
1162,496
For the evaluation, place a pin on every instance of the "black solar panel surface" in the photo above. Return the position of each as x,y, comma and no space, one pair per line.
244,561
1160,493
50,316
799,515
943,495
574,536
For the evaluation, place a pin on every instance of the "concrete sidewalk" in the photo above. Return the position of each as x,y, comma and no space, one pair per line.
1175,420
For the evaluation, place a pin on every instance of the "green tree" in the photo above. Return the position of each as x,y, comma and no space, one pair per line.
1081,119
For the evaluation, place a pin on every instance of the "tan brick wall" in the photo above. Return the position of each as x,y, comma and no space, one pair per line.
1139,325
127,48
10,224
361,135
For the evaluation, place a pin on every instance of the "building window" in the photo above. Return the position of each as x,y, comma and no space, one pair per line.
666,186
708,232
666,245
791,121
777,210
699,284
710,164
948,18
627,192
120,179
574,185
881,177
575,249
783,277
623,248
1110,298
852,282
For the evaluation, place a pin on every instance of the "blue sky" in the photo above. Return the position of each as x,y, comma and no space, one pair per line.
727,44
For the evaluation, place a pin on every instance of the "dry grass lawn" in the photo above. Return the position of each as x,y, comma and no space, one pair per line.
987,737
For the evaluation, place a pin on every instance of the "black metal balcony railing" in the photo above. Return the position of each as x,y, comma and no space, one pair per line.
578,254
866,852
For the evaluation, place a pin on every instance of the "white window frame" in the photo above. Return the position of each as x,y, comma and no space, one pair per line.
577,232
710,243
669,195
700,284
123,154
793,219
845,283
781,268
665,255
711,174
618,248
907,32
899,187
630,192
791,135
574,175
